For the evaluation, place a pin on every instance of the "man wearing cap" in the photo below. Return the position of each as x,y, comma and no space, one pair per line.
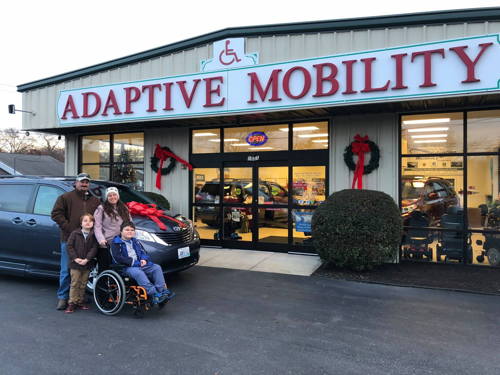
67,211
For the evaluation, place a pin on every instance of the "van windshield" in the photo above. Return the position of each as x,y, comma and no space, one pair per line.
127,194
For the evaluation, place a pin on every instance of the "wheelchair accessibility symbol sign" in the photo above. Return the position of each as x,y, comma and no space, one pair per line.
229,53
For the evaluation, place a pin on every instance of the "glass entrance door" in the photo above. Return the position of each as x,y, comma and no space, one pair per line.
258,205
255,206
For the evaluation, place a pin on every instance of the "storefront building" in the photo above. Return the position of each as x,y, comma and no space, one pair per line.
264,114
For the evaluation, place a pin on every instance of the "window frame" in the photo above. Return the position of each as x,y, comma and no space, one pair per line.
111,162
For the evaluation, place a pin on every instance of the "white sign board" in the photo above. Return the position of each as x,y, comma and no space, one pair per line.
447,68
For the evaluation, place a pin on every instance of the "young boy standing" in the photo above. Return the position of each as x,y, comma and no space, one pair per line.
82,247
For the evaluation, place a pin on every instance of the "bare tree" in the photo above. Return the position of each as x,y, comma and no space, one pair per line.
15,141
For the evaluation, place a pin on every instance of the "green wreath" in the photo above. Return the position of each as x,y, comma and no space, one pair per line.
374,158
170,166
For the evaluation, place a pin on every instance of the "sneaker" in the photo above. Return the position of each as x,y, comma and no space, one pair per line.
167,294
62,304
155,298
83,306
70,309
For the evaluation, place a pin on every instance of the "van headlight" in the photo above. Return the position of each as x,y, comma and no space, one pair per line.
142,235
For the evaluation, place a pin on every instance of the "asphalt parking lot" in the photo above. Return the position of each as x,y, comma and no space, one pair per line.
239,322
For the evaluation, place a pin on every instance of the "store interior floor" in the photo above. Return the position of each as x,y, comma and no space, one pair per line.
260,261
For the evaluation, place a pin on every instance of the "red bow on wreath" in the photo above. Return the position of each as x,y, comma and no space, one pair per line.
150,210
164,155
360,148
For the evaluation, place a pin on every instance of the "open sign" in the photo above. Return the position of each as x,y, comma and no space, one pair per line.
256,138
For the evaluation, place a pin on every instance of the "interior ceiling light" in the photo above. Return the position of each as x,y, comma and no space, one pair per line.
225,140
320,140
313,135
421,130
430,136
203,134
239,144
427,121
260,148
300,128
432,141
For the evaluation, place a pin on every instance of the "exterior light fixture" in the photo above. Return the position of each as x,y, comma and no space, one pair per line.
13,110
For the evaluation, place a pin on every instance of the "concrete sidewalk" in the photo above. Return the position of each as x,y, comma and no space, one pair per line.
261,261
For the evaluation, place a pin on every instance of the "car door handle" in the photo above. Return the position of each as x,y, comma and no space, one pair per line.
17,220
31,222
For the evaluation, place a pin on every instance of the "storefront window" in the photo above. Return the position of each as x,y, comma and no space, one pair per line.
95,148
206,141
115,157
436,195
310,136
97,172
128,148
483,133
432,133
256,138
206,185
431,185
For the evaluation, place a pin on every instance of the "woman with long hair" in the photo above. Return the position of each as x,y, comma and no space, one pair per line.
109,216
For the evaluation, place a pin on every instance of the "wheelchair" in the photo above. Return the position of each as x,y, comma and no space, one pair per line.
113,289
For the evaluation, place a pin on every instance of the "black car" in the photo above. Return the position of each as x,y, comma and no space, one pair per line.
30,242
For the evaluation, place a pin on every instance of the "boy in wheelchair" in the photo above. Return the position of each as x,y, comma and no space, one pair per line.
128,251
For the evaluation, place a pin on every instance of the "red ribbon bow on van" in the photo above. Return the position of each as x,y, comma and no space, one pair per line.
360,148
150,211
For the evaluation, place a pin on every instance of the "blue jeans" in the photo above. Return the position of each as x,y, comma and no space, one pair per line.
150,277
64,276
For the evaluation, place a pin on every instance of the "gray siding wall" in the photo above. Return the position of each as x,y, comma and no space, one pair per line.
175,186
381,129
71,155
271,49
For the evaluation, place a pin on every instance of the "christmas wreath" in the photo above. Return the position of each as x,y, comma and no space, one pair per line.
162,154
155,159
360,146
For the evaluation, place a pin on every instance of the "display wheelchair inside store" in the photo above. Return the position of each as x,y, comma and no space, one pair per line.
113,289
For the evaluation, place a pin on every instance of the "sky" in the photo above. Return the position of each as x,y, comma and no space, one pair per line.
41,39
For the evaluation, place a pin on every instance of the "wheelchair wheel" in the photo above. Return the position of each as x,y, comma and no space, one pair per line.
109,292
92,279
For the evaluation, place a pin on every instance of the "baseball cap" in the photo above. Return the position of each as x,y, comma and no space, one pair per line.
83,176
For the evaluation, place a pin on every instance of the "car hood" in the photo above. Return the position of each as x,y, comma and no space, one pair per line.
147,224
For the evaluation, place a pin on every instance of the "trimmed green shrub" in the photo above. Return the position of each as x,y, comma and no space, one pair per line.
357,229
159,199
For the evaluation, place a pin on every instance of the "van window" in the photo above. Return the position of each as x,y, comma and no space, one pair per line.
15,197
45,199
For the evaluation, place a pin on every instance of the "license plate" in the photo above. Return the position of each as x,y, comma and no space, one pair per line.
183,252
